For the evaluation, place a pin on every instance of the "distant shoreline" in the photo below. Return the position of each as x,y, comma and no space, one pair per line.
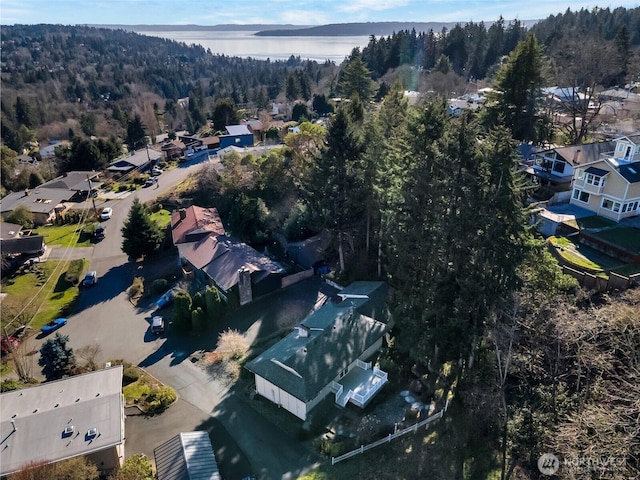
330,30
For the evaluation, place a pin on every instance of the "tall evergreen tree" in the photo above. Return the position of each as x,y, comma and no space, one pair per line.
141,236
355,79
518,83
336,187
56,357
458,236
136,133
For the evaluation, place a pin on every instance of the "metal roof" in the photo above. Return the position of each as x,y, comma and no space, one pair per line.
238,130
187,456
34,419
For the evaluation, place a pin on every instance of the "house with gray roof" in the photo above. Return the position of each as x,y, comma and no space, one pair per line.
187,456
327,353
139,160
55,421
44,203
555,166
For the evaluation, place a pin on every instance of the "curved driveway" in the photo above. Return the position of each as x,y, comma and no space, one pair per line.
107,318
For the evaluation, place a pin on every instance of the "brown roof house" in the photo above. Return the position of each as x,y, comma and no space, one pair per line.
194,223
233,267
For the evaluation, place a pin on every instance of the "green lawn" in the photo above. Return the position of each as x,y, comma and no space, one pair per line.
162,217
626,237
594,222
569,252
68,235
52,295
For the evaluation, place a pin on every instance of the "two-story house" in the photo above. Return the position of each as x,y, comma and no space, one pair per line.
610,185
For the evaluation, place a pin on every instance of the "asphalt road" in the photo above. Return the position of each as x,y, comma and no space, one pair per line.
106,317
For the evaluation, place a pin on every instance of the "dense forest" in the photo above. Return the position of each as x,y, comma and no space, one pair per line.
56,78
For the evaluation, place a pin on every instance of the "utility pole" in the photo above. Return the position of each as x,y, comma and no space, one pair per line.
93,200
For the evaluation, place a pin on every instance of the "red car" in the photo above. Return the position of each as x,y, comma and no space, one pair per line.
9,343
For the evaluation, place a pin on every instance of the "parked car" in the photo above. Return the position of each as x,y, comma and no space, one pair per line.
155,171
9,343
106,213
90,279
19,332
149,182
54,325
165,299
157,325
98,234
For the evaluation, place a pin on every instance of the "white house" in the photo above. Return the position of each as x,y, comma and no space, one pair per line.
327,354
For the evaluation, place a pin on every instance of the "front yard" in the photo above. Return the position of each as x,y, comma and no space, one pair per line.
72,235
40,292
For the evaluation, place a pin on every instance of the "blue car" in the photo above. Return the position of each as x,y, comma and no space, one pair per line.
165,299
54,325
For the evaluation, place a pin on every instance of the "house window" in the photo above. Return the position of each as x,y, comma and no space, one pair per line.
558,167
610,205
629,207
580,174
580,195
594,180
627,153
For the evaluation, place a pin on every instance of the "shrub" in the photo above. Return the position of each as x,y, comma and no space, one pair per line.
136,288
122,187
10,384
198,320
198,302
214,304
182,308
74,271
232,344
156,207
160,285
129,375
160,398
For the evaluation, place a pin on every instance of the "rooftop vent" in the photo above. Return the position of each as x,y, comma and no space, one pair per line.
68,430
92,432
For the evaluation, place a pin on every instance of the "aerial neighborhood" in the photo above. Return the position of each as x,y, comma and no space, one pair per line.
422,261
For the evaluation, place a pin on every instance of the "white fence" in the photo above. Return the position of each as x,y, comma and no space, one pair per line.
387,439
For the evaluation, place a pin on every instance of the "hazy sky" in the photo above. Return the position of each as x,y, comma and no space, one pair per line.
300,12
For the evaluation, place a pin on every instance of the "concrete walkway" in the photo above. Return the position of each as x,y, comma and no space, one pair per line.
71,253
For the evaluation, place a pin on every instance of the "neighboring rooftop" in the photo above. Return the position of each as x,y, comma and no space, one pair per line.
187,456
52,421
581,154
238,130
221,257
38,200
9,230
76,181
193,223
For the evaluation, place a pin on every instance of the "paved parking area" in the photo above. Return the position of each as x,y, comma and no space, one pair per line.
144,433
